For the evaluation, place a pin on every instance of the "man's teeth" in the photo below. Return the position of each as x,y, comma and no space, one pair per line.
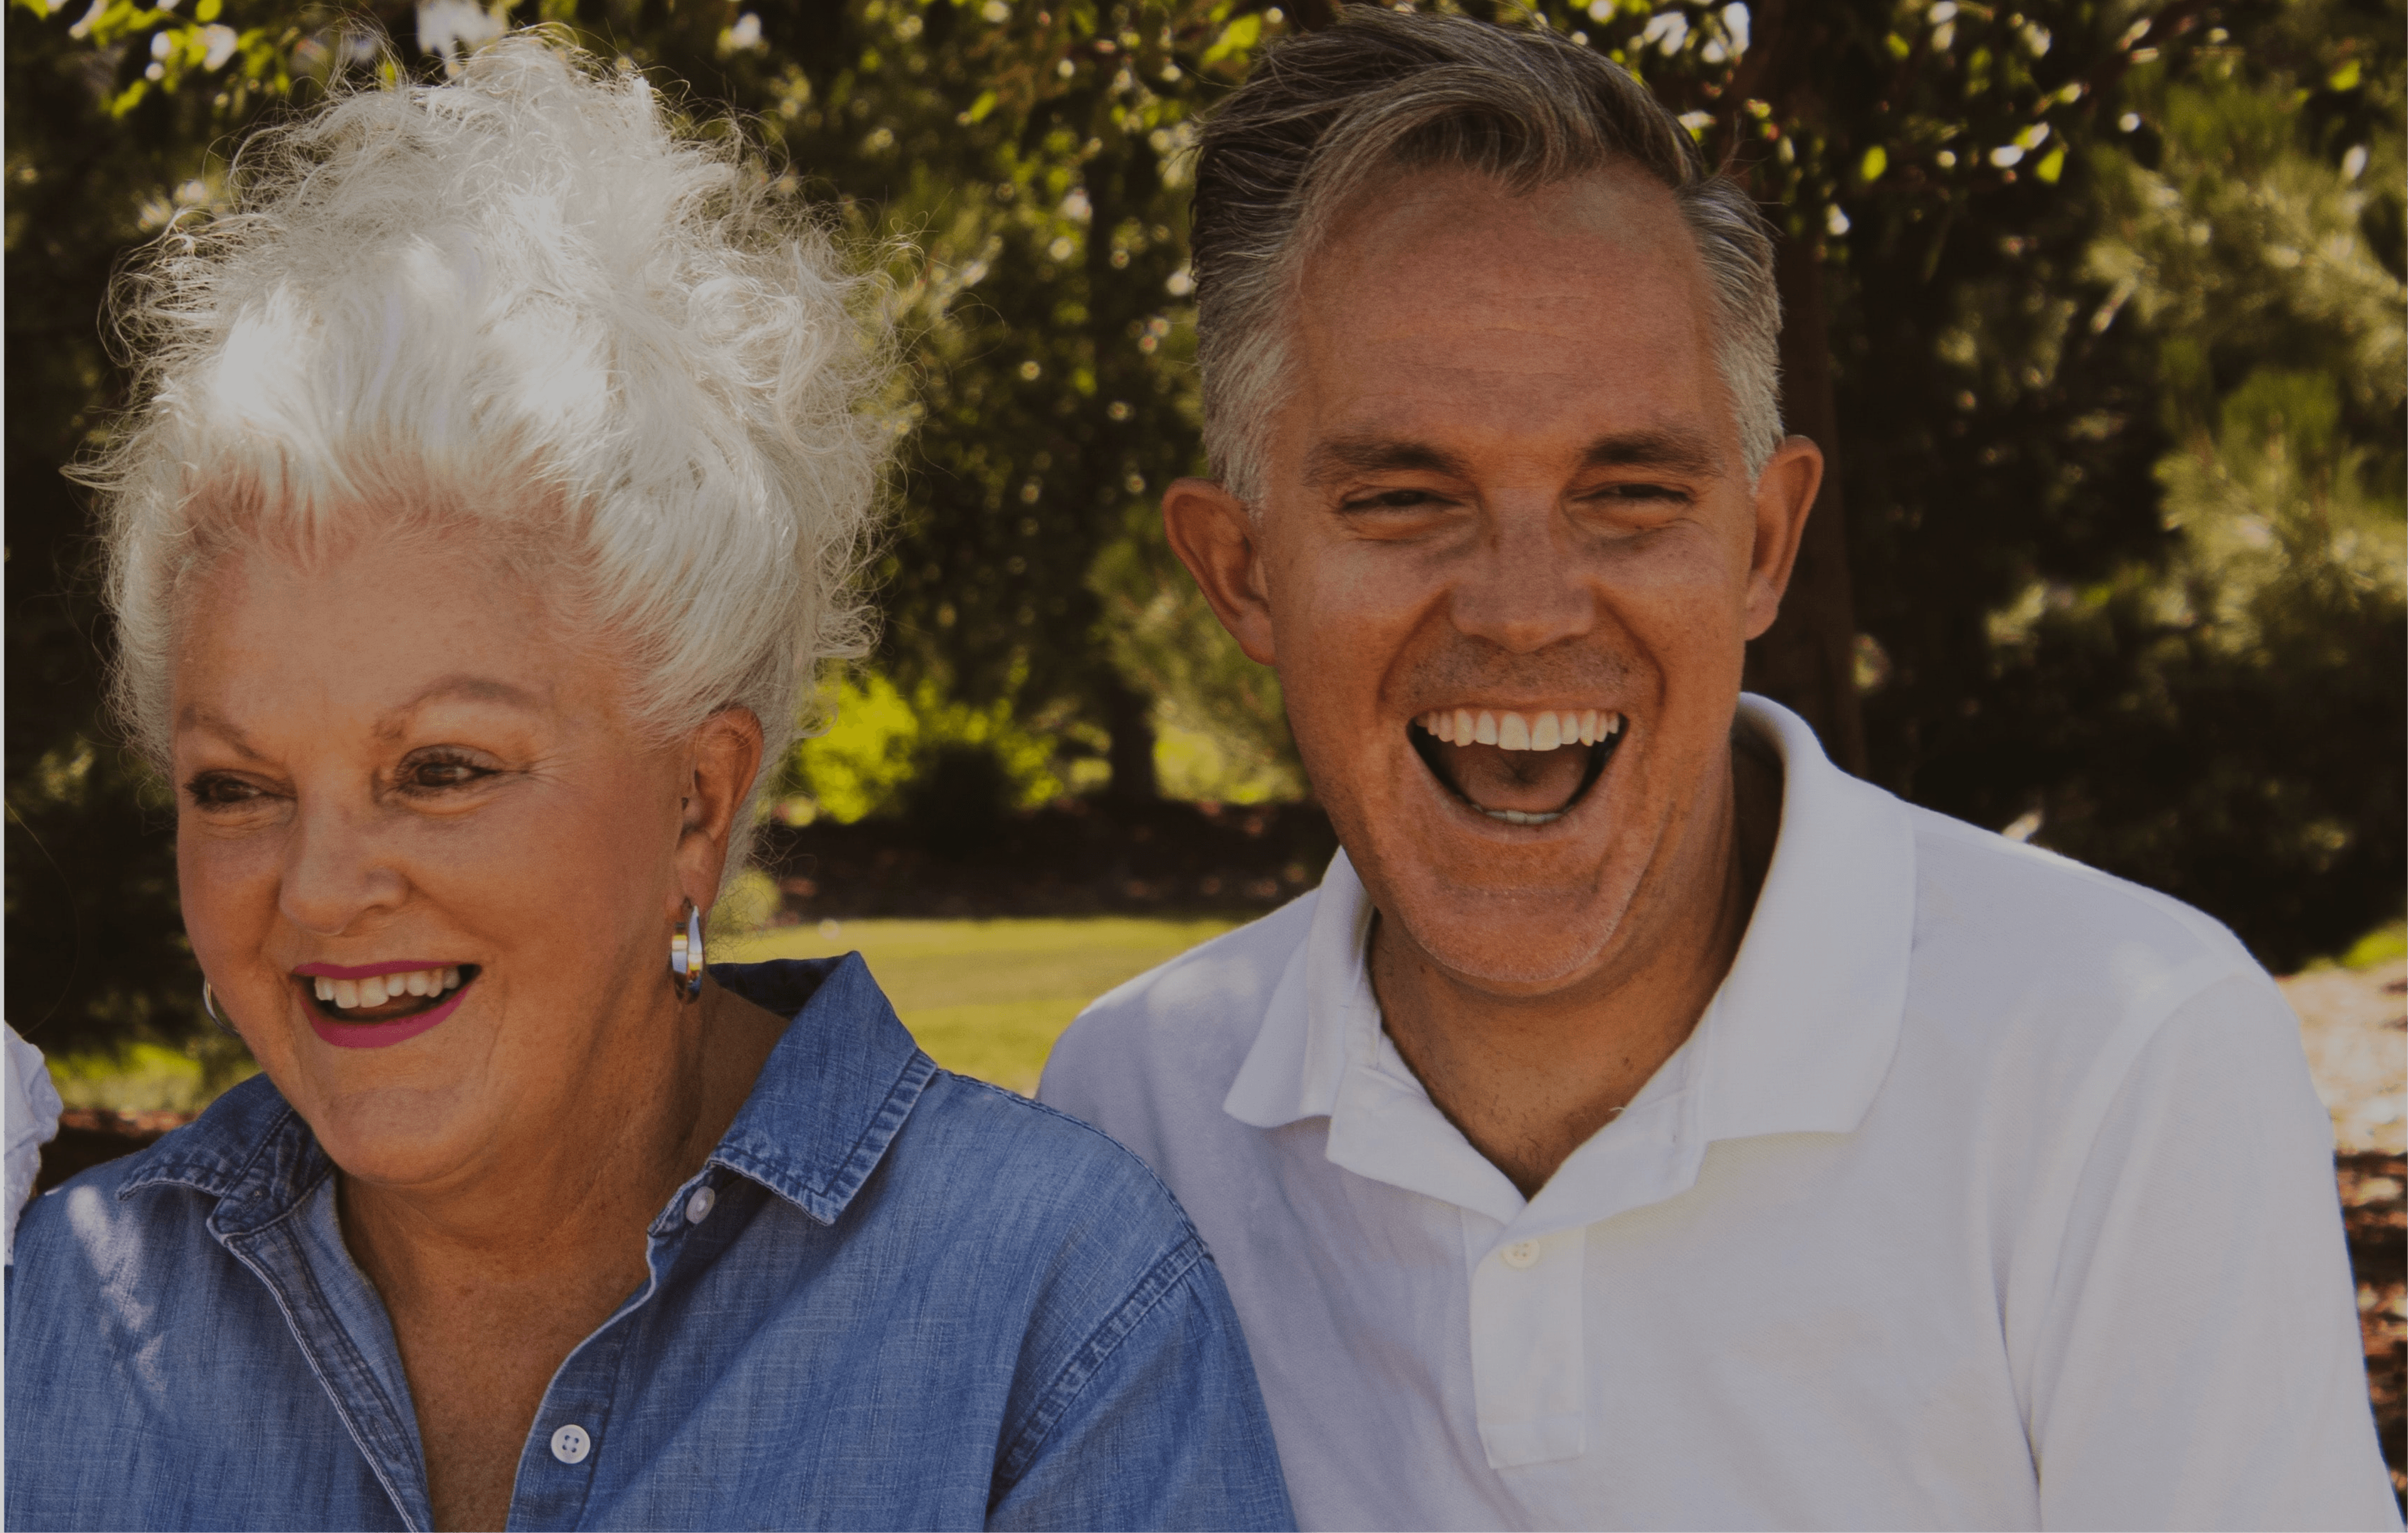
1521,731
350,994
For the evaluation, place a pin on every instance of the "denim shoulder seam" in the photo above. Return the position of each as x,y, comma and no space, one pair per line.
1151,1175
1165,1277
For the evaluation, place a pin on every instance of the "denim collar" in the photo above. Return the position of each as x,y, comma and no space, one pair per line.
830,1099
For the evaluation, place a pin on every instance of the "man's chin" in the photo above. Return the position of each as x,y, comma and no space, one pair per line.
1526,941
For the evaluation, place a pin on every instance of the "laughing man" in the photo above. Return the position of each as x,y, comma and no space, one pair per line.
1646,1124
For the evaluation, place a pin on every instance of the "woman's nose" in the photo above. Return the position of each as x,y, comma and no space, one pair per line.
336,869
1523,589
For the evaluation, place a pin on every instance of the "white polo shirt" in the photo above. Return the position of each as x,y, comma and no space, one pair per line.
1991,1191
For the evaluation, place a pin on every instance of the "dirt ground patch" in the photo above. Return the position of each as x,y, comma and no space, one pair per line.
2355,1024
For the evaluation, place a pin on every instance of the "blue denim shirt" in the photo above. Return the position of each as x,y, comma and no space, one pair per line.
913,1300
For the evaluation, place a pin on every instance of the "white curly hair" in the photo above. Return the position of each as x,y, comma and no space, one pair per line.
521,303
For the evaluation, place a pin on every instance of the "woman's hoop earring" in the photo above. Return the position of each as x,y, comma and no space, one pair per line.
685,954
209,1006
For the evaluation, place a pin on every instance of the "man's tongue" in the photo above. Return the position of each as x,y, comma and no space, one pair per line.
1530,781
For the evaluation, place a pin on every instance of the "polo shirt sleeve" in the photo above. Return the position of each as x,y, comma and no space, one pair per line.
2198,1361
1156,1422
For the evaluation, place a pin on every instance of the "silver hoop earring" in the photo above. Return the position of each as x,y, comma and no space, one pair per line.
209,1008
685,954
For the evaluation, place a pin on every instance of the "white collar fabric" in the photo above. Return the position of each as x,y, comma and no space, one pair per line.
1797,1038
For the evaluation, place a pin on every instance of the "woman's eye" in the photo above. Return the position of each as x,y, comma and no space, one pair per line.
438,773
216,790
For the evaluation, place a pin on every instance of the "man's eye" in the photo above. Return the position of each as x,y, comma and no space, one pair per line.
1393,500
1627,494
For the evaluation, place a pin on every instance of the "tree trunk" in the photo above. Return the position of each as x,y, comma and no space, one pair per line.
1129,717
1806,661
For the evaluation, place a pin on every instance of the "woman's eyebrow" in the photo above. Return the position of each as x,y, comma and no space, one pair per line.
463,686
200,716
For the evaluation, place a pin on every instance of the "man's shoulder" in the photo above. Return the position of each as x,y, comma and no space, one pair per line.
2019,899
1185,1024
2021,953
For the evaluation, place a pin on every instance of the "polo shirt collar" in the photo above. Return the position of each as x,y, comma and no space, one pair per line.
1797,1040
831,1096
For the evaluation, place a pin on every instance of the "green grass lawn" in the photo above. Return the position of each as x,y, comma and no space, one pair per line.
985,997
988,997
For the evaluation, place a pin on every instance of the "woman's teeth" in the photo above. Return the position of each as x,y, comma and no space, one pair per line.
1520,731
353,994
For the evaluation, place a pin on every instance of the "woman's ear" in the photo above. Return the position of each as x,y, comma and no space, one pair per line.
1216,536
723,757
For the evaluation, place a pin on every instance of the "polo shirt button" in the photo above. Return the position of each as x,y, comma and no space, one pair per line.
697,1207
570,1444
1521,1255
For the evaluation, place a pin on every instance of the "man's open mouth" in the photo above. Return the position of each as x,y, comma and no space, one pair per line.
1522,769
388,995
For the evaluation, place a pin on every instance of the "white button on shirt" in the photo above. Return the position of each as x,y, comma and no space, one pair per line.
570,1444
698,1205
1989,1190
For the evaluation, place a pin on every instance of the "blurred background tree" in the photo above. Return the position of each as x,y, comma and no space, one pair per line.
2099,306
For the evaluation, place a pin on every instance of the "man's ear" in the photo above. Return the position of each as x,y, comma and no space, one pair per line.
1784,494
1217,539
722,758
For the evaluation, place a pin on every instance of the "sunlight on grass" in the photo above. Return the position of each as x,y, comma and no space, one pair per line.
2378,946
988,997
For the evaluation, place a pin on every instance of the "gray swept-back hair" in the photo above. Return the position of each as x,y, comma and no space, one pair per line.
1328,113
516,306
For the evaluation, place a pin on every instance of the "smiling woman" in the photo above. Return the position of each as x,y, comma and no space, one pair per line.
490,502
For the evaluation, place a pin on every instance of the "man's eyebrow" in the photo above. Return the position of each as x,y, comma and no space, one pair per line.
1339,456
1676,449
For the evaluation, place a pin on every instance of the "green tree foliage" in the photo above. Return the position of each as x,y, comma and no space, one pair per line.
2228,717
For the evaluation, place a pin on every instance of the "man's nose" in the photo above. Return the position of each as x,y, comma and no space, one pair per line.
1523,589
338,869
